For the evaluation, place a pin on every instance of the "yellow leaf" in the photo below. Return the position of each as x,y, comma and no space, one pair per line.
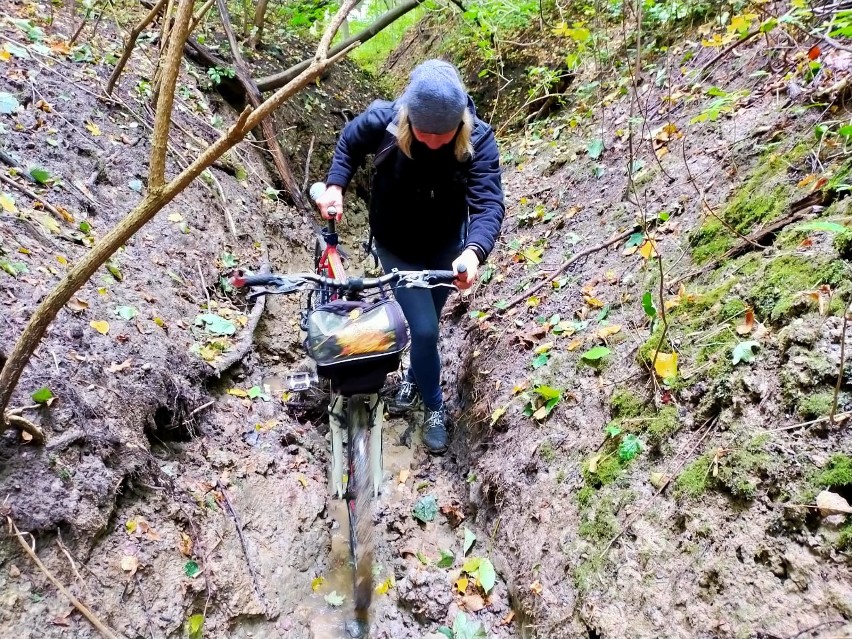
65,214
497,414
175,217
403,475
23,250
533,301
575,344
93,128
302,480
130,526
5,55
100,326
594,302
666,365
237,392
8,203
185,545
159,322
543,348
316,583
461,584
208,353
536,588
606,331
611,277
129,563
50,224
648,249
520,386
386,585
62,260
103,290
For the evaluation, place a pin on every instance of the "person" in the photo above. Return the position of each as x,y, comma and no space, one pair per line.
436,203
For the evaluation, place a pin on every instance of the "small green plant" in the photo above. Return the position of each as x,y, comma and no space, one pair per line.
217,73
724,102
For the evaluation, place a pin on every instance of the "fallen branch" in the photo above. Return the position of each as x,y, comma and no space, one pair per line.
131,43
30,194
254,577
838,419
565,265
106,632
232,227
248,334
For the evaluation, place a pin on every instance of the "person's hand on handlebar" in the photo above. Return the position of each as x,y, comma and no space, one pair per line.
330,203
467,276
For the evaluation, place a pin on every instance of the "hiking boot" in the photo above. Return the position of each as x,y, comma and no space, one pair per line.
435,436
405,398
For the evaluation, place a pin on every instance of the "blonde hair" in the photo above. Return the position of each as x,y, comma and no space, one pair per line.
463,145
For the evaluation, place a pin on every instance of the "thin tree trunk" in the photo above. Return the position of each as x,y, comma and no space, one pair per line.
267,128
201,13
171,69
272,82
153,202
131,42
259,19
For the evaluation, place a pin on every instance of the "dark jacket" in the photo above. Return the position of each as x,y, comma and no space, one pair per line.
424,204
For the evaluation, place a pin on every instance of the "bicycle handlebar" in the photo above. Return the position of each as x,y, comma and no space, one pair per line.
278,284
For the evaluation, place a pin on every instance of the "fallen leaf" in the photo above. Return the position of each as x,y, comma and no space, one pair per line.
237,392
830,503
302,480
383,587
814,52
403,475
666,365
150,533
100,326
115,368
469,540
8,203
175,217
658,480
26,436
748,323
316,583
594,302
14,571
93,128
474,603
461,584
498,413
594,460
648,249
130,526
453,513
543,348
76,304
185,545
536,588
575,344
130,563
607,331
510,616
334,599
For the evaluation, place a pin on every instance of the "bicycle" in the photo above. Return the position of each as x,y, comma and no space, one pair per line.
355,344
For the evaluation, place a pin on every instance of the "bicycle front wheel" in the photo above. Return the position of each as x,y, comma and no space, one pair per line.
360,502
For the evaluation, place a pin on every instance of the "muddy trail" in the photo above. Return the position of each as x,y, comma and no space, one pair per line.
641,385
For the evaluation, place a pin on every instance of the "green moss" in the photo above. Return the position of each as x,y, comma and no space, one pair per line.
815,405
587,571
710,241
546,451
753,205
598,525
777,293
695,478
607,471
844,541
837,473
733,308
663,425
625,404
843,244
585,495
645,354
738,470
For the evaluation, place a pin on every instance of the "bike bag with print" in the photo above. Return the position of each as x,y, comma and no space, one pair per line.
355,343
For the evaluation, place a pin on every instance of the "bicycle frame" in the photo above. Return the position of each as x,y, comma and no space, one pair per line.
329,261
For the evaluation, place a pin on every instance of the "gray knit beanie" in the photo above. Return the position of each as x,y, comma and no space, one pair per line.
435,97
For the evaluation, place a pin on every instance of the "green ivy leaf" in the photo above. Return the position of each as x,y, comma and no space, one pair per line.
629,447
42,395
191,569
229,260
39,175
194,626
215,325
447,559
596,354
540,360
595,148
744,352
8,103
634,240
126,312
426,508
469,539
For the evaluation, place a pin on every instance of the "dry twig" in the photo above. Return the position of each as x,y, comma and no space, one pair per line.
842,363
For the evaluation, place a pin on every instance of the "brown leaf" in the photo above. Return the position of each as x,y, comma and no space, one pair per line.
14,571
185,545
115,368
536,588
150,533
748,323
474,602
510,616
453,513
528,338
130,564
76,304
830,503
814,52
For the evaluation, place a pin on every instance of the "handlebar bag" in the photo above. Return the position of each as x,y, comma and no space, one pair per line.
356,343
